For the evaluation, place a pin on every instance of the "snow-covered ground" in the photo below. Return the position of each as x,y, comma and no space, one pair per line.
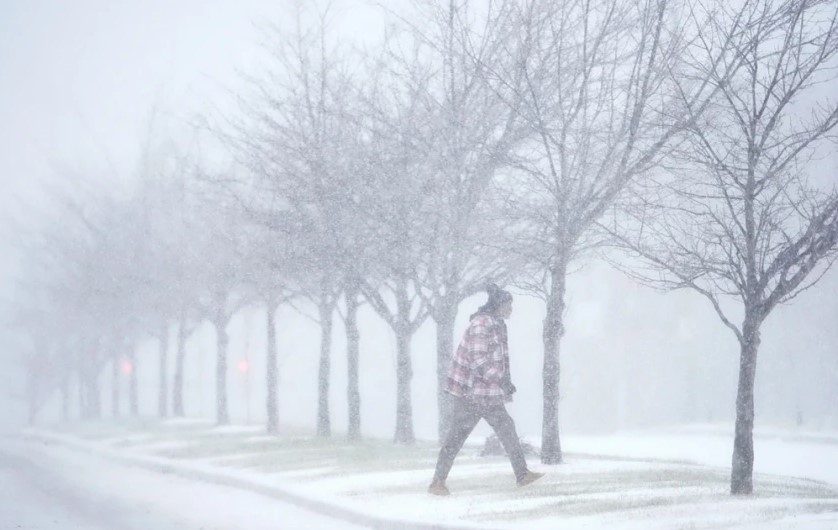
58,488
812,455
676,478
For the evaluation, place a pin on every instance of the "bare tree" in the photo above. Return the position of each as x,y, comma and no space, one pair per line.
738,218
186,298
107,266
38,353
72,281
184,290
271,366
607,88
393,198
301,266
271,280
471,131
185,328
352,301
295,139
223,275
161,249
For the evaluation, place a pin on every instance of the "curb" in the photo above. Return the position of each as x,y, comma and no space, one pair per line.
184,470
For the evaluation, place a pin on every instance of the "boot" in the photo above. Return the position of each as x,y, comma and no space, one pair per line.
529,478
438,488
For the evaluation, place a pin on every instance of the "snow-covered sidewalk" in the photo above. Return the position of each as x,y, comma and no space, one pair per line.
812,455
605,481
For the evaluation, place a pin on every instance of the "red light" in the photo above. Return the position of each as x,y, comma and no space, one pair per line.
243,366
127,366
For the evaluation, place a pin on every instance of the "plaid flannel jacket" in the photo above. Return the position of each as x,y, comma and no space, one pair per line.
481,362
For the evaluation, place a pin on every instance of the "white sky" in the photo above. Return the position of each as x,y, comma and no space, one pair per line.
78,81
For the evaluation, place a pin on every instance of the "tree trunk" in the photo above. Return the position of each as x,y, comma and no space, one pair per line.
81,386
353,395
90,400
163,392
404,372
742,469
221,342
133,398
271,371
324,427
94,398
444,318
177,388
115,386
551,449
65,397
82,391
95,390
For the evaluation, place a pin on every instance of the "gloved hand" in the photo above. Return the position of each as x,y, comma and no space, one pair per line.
508,387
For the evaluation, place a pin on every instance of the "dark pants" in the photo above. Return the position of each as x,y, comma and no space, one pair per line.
464,417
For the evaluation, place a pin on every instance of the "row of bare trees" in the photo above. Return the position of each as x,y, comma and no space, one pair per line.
503,141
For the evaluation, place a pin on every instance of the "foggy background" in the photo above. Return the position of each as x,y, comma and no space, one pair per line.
79,80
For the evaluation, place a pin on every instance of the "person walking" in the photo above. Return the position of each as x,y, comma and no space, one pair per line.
480,383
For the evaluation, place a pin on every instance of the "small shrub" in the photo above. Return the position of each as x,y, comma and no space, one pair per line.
493,447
